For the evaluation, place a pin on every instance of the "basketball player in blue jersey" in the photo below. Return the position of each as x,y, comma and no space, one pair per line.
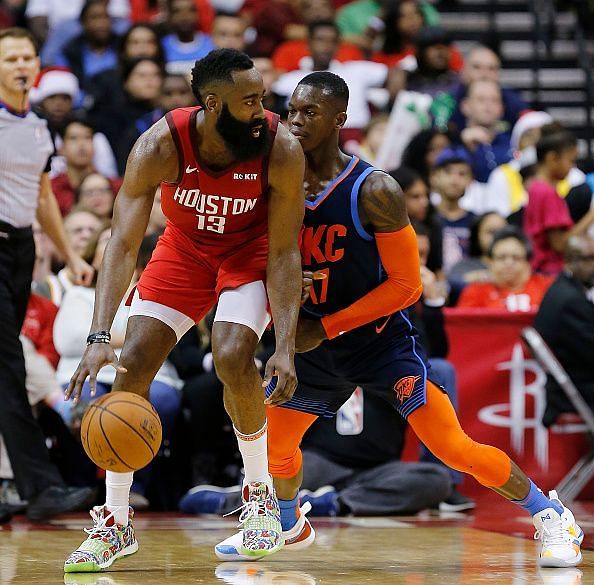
355,331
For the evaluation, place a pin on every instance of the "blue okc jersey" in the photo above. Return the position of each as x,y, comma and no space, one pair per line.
336,243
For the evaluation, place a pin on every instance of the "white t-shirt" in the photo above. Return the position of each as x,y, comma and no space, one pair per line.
360,76
58,11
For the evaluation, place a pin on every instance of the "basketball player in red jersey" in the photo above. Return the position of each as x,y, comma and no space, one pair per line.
231,185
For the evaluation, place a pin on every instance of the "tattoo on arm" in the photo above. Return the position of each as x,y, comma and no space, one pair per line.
381,204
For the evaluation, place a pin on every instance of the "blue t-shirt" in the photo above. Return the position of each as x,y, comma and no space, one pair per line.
488,157
180,57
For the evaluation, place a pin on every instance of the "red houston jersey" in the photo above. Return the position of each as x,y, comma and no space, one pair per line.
224,208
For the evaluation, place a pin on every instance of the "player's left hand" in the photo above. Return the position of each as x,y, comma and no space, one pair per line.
82,272
310,334
282,366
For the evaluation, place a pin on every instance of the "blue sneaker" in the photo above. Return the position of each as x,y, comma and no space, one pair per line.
206,499
324,501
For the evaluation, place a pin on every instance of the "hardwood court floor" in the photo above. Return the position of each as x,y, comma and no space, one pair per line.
427,549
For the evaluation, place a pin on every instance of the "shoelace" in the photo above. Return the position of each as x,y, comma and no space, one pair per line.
100,527
555,534
249,509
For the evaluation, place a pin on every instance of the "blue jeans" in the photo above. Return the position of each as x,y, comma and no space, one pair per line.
444,373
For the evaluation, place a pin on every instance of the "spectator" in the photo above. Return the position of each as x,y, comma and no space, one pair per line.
185,44
421,152
287,56
269,75
175,93
506,188
359,75
57,96
546,217
55,22
432,74
274,21
156,12
96,193
141,40
566,322
404,20
483,108
481,64
361,22
157,219
95,49
513,286
475,268
420,210
229,31
451,176
373,135
78,153
70,331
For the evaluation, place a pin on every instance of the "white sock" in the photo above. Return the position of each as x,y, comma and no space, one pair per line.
254,452
117,495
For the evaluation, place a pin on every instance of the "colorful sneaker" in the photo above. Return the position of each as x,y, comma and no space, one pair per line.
107,541
302,534
560,537
260,532
324,501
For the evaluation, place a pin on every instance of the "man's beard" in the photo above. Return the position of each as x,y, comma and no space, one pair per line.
239,137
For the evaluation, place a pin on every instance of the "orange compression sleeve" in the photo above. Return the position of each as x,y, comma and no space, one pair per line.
400,258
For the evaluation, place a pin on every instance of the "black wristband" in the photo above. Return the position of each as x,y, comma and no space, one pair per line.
99,337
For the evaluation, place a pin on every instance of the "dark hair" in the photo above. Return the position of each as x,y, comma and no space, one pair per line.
475,228
393,42
159,57
514,233
330,84
218,66
557,142
405,176
316,24
420,228
77,119
147,247
416,152
16,32
129,65
87,6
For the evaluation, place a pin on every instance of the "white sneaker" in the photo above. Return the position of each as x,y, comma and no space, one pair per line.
559,535
571,576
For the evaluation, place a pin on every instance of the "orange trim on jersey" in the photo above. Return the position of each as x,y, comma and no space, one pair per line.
332,185
399,255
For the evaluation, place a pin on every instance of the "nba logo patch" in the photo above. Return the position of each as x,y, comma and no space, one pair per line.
349,418
405,387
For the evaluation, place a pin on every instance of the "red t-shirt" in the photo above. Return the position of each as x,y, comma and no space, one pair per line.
286,57
485,295
39,326
545,211
64,192
141,11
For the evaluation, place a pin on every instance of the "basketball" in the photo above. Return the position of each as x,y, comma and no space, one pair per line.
121,432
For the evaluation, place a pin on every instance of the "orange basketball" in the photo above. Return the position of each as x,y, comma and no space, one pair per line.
121,431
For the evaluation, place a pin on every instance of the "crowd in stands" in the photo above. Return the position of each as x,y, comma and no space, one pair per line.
492,187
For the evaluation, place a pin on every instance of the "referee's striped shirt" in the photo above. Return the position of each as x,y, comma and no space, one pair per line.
25,148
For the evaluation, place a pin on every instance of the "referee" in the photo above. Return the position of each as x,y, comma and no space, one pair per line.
25,194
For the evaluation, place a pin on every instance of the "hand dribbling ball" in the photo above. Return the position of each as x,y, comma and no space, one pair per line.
121,432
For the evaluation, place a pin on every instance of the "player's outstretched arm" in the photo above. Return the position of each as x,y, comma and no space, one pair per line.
153,159
383,214
283,282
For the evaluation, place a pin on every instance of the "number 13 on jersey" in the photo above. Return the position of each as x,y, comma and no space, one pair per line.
211,223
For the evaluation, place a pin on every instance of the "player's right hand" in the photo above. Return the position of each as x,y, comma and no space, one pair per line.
95,357
307,280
